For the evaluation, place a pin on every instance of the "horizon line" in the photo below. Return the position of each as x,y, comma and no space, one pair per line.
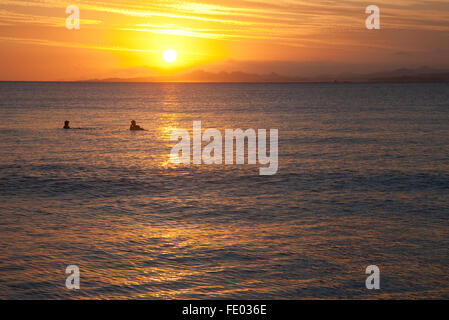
224,82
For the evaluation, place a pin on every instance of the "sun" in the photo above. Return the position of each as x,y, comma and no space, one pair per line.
170,55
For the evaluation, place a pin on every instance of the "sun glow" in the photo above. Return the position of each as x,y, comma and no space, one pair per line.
170,55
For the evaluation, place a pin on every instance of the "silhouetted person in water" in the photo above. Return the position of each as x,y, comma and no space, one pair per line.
135,127
67,126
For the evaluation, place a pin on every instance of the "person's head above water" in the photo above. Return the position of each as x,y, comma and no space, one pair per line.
66,124
134,126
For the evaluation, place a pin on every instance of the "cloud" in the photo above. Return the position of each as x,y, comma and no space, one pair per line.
284,15
13,18
41,42
186,32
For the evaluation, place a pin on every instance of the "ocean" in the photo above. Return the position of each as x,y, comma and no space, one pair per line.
363,179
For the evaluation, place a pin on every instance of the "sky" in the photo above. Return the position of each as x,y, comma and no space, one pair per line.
127,39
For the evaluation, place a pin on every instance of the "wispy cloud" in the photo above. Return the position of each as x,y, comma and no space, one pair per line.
180,32
320,14
42,42
14,18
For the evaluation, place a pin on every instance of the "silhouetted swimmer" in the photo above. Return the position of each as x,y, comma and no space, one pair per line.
67,126
135,127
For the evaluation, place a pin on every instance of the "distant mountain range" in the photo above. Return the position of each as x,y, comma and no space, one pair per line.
423,74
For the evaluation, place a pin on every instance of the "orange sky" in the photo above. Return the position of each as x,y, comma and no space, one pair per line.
121,38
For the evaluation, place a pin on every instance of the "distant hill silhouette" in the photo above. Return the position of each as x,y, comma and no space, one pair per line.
422,74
